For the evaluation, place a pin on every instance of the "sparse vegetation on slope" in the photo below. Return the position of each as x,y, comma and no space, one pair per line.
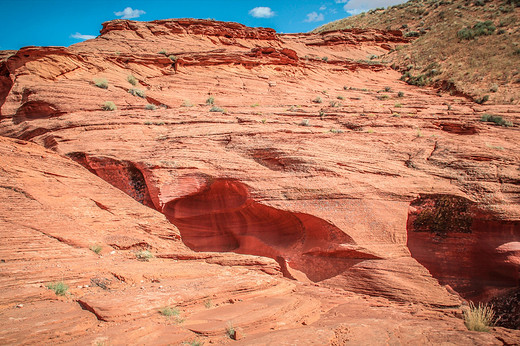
459,45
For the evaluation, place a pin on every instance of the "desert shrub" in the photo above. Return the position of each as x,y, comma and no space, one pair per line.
131,79
216,109
169,311
304,122
340,97
494,88
230,331
172,58
150,107
442,214
317,100
144,255
137,92
96,248
163,52
210,100
400,94
419,80
101,83
479,29
208,303
398,105
109,106
60,288
388,89
479,318
412,34
382,97
335,131
495,119
334,104
482,99
187,103
325,58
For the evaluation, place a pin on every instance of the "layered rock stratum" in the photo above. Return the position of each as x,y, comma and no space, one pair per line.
287,187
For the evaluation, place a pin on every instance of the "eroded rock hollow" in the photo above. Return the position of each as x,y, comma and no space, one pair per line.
464,246
223,217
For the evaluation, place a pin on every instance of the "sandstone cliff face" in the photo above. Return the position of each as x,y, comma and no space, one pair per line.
310,156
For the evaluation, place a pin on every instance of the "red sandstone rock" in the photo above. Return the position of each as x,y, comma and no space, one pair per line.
325,201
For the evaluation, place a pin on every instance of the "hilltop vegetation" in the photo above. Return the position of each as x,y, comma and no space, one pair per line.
468,46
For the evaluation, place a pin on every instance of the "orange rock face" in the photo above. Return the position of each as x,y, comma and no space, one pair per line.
287,187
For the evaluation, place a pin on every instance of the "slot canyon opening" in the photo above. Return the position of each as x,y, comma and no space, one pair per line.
222,217
469,249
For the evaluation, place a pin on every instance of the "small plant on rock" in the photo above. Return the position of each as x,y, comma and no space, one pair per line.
479,318
144,255
150,107
216,109
210,100
109,106
137,92
230,331
400,94
317,100
169,311
132,80
96,248
496,119
60,288
101,83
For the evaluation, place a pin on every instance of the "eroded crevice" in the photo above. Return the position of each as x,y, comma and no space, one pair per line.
222,217
463,246
6,83
124,175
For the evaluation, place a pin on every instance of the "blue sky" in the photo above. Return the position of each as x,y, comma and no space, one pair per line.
64,22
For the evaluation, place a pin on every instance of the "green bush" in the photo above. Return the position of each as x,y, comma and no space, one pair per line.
172,58
230,331
169,311
479,29
109,106
210,100
101,83
496,119
96,248
317,100
400,94
137,92
479,318
482,99
325,58
412,34
132,80
59,288
150,107
216,109
144,255
340,97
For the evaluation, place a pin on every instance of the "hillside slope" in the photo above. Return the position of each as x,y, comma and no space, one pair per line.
452,50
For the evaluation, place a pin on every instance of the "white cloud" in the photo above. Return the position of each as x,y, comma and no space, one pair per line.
262,12
323,8
82,37
358,6
129,13
314,17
